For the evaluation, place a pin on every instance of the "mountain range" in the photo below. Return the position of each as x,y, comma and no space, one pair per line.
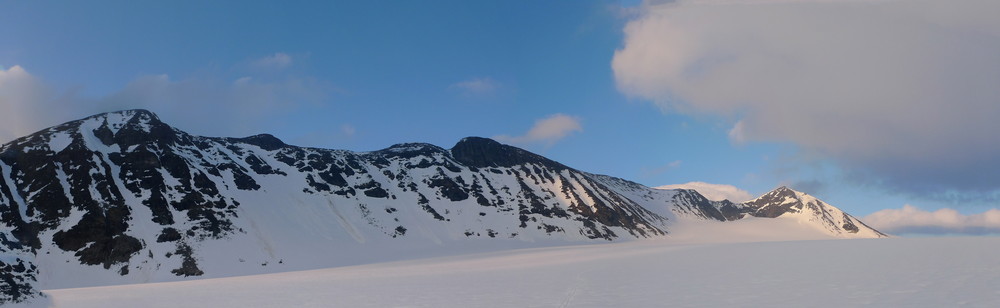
122,197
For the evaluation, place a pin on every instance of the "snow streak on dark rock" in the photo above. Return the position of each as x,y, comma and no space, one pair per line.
129,194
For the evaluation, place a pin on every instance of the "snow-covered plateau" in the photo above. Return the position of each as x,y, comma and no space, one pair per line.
696,272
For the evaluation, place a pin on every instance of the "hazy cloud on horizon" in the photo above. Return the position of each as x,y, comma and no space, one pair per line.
912,220
207,105
31,105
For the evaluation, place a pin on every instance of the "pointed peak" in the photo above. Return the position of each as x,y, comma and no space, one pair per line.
134,119
123,127
138,111
129,127
777,195
783,189
142,115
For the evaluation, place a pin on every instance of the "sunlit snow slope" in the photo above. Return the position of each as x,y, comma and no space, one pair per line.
122,198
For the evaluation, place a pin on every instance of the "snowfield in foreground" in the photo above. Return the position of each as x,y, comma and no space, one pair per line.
899,272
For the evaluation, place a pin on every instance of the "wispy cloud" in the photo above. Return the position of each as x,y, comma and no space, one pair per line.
483,86
29,104
912,220
327,138
651,172
348,130
797,71
715,192
208,105
215,106
276,61
548,130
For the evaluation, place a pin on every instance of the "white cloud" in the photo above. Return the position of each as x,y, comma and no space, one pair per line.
547,130
674,164
910,219
891,88
348,130
476,86
715,192
661,169
276,61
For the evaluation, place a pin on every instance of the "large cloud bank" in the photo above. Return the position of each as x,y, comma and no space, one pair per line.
901,93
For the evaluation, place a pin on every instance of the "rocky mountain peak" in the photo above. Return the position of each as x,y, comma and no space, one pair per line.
138,114
776,203
783,189
482,152
130,127
264,141
134,118
777,195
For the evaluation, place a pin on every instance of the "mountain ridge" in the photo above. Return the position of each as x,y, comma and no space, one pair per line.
122,197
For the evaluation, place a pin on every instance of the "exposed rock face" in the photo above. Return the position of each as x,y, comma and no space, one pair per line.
18,278
126,198
478,152
775,203
126,191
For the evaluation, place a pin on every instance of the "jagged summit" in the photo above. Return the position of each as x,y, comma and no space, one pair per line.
780,203
783,189
784,202
116,120
141,118
130,113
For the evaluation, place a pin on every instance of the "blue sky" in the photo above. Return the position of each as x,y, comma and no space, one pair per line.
658,93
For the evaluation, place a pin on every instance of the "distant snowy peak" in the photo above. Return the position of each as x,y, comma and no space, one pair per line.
786,203
781,203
